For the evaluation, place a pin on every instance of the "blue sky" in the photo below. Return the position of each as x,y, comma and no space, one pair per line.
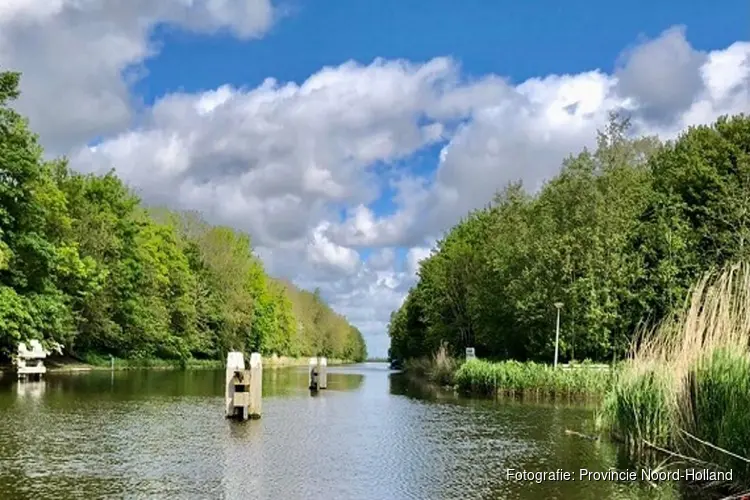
338,174
517,39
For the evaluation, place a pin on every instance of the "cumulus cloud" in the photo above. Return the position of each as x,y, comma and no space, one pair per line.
662,76
278,158
300,166
79,57
526,135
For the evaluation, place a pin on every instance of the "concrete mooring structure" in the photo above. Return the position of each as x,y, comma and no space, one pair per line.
244,387
318,370
30,362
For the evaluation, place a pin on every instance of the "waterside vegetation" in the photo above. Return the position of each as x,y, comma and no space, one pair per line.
646,244
618,237
84,263
686,387
529,379
486,378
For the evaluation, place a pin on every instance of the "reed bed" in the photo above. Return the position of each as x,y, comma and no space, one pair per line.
513,378
685,389
439,368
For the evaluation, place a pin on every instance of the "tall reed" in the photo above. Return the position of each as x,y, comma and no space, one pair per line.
686,385
439,368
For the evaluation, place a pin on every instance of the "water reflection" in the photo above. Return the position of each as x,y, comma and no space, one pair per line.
510,434
244,464
146,384
30,389
373,434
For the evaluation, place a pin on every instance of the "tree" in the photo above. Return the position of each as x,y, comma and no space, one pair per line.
83,262
617,236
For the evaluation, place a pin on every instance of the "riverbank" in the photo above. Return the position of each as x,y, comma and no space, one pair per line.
685,392
484,378
513,378
94,363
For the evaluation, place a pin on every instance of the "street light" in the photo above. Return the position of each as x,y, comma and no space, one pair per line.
558,305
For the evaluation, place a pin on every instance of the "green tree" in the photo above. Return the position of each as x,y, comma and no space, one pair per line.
617,236
84,263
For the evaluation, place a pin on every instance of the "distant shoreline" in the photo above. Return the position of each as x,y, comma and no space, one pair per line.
70,365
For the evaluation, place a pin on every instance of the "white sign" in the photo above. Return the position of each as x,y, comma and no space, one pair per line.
470,353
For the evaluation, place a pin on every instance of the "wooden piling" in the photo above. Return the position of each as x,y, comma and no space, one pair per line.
322,373
256,386
313,378
235,363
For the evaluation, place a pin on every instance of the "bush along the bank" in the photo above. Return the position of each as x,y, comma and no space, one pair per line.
686,389
618,236
513,378
438,369
85,264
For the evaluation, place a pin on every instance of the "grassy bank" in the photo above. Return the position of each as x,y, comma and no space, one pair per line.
686,388
513,378
93,362
104,363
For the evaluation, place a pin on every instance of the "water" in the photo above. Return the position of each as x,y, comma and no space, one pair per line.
371,435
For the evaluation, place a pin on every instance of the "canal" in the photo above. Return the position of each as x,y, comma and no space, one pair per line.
371,435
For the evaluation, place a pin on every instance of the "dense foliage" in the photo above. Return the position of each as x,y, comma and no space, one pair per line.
85,264
686,387
618,236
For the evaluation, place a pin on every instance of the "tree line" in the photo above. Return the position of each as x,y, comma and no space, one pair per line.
85,264
618,236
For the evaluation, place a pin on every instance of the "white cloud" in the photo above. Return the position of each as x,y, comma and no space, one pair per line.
663,76
322,251
383,259
414,257
527,134
283,161
78,57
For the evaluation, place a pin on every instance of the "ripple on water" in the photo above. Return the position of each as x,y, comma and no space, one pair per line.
357,440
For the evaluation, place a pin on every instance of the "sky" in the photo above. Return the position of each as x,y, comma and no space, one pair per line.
347,137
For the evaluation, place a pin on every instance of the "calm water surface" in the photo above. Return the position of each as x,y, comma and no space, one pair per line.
371,435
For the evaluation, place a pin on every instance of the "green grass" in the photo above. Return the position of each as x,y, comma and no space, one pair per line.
513,378
102,362
716,409
686,388
636,409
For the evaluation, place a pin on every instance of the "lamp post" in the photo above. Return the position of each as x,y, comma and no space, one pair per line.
558,305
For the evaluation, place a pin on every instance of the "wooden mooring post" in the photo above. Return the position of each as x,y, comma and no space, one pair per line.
313,380
244,388
318,374
323,373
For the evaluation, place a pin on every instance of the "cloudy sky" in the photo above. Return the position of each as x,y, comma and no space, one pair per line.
346,137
